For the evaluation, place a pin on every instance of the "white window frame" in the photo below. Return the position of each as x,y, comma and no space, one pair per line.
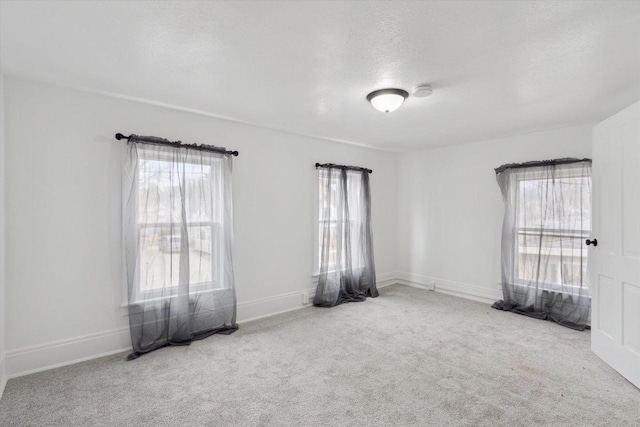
583,234
197,288
317,229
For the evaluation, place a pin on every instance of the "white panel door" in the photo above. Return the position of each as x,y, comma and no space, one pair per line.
615,261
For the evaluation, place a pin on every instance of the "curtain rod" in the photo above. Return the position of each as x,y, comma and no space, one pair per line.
161,141
334,166
536,163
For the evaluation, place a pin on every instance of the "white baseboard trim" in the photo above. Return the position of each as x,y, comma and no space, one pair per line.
3,374
284,303
55,354
463,290
472,292
271,306
386,279
416,280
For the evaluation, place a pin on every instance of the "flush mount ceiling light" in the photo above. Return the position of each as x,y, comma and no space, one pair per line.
387,100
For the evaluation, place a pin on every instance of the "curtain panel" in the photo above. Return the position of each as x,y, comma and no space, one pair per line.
544,263
347,268
178,236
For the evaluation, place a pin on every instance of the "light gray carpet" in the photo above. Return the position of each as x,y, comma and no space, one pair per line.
410,357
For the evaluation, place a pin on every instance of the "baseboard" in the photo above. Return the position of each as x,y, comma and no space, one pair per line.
415,280
55,354
271,306
386,279
283,303
463,290
477,293
3,374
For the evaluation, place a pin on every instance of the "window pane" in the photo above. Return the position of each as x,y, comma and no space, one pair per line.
202,254
160,255
165,184
548,258
568,203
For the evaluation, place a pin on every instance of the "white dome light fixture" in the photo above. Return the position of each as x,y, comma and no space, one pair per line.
387,100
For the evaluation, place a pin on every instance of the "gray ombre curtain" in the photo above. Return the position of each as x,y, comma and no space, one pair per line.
347,270
178,236
544,257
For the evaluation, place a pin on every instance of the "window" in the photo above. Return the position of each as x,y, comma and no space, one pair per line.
553,220
336,218
178,234
544,259
344,247
164,239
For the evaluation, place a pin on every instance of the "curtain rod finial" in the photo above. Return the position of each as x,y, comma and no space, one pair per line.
119,136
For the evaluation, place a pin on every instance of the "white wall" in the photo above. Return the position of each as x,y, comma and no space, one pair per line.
3,376
450,208
64,267
441,209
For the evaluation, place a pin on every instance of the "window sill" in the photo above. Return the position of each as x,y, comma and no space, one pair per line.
549,288
125,305
315,277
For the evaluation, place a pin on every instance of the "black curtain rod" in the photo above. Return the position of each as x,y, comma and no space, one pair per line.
161,141
334,166
537,163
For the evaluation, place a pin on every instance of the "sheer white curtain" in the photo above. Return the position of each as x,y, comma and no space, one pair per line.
544,257
347,267
178,235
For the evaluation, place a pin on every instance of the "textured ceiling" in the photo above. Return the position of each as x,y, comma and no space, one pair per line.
497,68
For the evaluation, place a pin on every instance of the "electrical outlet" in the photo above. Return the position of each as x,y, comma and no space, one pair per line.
306,298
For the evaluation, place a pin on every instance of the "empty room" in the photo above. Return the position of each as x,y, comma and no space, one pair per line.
319,213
